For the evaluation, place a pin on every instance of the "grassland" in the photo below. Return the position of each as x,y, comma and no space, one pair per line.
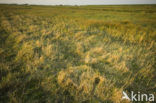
76,54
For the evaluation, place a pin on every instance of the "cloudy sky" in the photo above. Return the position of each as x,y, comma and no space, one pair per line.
79,2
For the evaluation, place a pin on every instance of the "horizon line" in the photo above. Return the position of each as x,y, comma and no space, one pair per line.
74,4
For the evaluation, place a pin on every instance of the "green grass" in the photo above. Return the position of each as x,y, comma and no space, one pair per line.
76,54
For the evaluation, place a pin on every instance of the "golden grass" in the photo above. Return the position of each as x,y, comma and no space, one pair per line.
70,55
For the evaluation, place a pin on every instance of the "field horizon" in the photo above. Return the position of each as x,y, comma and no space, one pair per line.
75,4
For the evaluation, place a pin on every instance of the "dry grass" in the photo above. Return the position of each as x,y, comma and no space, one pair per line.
86,54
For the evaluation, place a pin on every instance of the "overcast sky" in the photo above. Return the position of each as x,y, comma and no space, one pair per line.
79,2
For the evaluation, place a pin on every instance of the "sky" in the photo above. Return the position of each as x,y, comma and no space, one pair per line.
78,2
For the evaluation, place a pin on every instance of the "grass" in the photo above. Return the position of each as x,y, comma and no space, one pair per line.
76,54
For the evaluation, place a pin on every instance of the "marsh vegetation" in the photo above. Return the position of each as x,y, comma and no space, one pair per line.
76,54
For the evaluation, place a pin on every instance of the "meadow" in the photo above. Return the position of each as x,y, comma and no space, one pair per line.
76,54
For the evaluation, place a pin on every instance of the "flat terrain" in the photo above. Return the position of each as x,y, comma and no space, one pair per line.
76,54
